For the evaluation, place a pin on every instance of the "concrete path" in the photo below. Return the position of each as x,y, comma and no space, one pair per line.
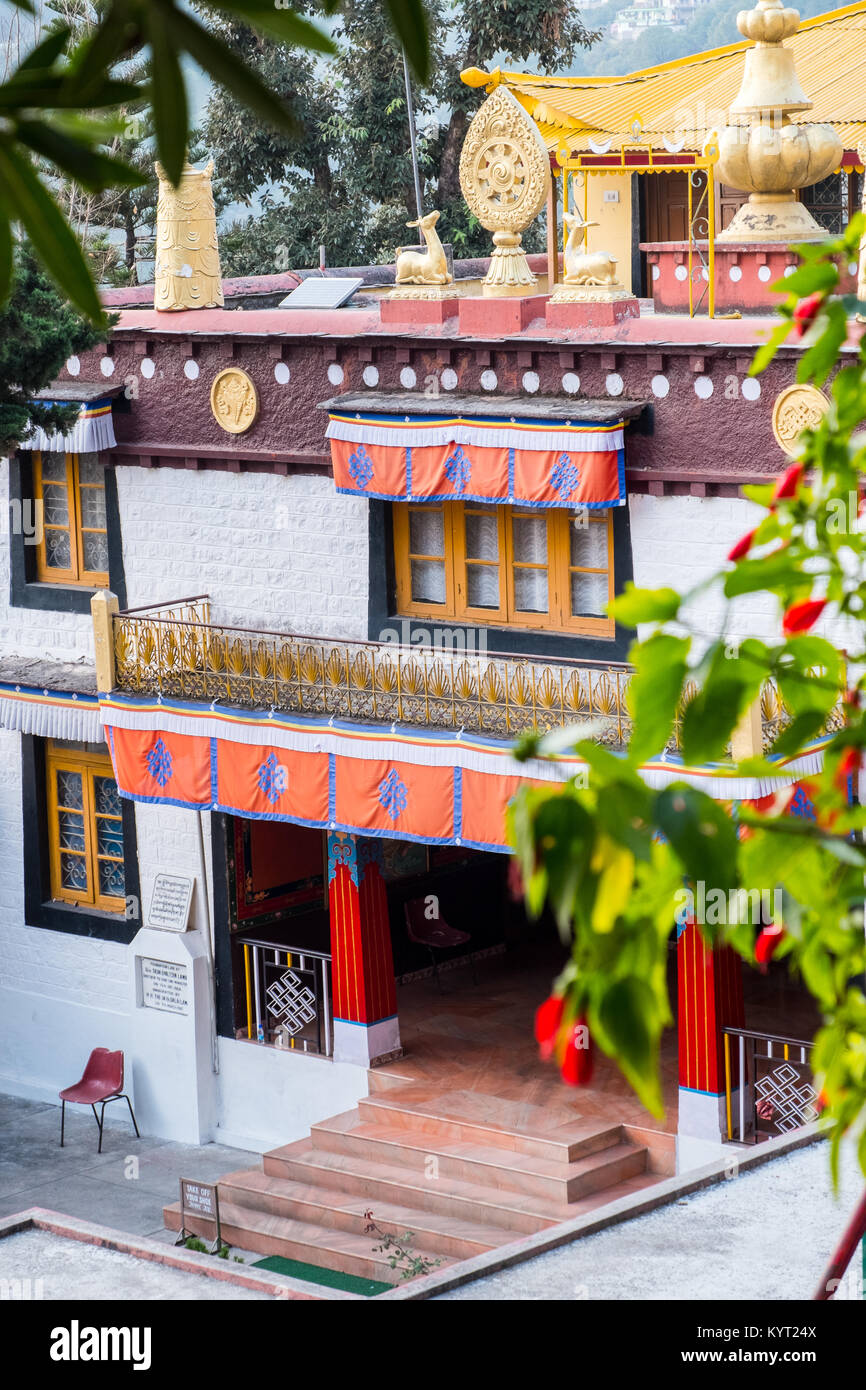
766,1234
124,1187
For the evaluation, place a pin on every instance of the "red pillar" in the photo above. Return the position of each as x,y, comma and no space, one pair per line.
362,966
710,991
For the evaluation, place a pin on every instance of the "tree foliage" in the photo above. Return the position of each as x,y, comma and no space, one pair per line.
611,857
38,332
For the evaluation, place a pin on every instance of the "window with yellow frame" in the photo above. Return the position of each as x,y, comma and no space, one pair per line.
74,545
85,828
505,566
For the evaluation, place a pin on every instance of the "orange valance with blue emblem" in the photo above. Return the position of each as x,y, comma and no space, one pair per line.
453,457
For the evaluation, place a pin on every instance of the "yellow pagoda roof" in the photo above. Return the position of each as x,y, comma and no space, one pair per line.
677,104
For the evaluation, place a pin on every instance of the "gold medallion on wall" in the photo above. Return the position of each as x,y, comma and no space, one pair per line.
797,408
234,400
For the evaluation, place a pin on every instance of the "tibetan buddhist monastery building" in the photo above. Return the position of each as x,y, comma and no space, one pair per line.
304,575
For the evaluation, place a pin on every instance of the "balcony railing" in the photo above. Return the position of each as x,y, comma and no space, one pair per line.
288,997
174,650
769,1088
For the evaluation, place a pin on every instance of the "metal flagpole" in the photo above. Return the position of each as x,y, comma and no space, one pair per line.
410,111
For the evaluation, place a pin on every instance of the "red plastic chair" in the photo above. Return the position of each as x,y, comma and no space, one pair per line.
102,1081
434,933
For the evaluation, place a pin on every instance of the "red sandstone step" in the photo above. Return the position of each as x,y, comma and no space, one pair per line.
486,1165
294,1240
515,1213
439,1234
558,1135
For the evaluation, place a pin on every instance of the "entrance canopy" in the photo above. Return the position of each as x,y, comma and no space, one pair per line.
435,787
542,452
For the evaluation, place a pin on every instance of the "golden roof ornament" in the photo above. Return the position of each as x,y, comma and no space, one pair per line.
187,269
763,151
505,177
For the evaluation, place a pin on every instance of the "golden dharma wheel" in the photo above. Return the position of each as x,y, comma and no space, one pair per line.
504,165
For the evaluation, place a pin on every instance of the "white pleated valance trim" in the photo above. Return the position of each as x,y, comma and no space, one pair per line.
48,719
406,745
576,440
93,432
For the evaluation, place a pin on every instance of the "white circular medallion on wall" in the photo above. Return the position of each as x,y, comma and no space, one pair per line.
448,378
703,388
660,387
705,274
853,268
751,389
106,366
191,369
408,378
735,273
789,270
681,273
489,380
282,374
571,383
147,367
370,375
73,366
656,272
764,273
531,382
335,374
614,384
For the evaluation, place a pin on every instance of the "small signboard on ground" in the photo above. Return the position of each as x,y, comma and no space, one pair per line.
199,1199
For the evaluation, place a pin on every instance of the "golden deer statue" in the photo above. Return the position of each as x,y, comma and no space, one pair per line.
416,268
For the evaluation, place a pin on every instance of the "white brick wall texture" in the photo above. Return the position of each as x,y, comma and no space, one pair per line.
284,553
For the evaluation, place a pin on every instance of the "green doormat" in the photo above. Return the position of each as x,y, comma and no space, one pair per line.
331,1278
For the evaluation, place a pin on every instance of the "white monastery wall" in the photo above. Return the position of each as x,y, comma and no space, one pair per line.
286,553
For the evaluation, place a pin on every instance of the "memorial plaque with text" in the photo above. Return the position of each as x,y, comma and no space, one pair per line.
164,985
170,903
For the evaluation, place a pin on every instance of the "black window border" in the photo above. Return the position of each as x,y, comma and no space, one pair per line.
25,590
39,909
511,641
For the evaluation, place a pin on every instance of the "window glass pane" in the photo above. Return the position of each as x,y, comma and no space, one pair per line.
95,545
589,545
428,581
109,837
426,532
529,538
106,796
70,790
73,872
54,468
71,830
530,591
482,586
482,536
55,506
90,470
111,880
93,507
58,552
589,594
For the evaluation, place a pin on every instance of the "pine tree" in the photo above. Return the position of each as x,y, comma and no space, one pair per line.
38,332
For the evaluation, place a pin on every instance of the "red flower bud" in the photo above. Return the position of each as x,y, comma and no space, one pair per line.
852,697
576,1064
848,765
801,616
769,939
743,546
547,1020
806,312
788,482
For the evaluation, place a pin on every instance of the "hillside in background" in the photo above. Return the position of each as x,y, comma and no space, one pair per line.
713,26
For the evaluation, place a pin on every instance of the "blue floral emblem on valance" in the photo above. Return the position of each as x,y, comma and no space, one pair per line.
458,470
159,762
564,477
360,467
393,793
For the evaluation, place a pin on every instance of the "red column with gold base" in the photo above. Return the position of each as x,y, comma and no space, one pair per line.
710,991
366,1028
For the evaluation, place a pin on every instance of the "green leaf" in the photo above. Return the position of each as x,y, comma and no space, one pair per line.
801,729
773,571
730,685
45,53
409,18
819,360
27,200
654,691
285,24
808,279
168,92
767,351
701,833
92,169
627,1015
7,250
636,605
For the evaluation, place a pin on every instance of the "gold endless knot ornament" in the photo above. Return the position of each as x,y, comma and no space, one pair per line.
234,400
505,177
796,409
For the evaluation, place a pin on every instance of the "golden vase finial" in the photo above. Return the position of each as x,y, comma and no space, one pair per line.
187,269
763,151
